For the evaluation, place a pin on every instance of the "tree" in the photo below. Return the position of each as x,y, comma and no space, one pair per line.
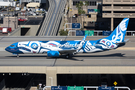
63,33
79,6
87,4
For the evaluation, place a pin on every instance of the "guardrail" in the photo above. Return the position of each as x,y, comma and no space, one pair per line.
95,87
99,33
14,31
128,33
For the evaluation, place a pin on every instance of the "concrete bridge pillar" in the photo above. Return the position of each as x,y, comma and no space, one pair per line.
51,76
111,24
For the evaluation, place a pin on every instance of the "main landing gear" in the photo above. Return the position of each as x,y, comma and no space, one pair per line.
69,56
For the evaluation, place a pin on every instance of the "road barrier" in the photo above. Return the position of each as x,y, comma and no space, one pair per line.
102,87
95,33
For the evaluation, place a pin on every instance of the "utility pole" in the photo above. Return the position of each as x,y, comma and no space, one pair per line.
8,16
15,15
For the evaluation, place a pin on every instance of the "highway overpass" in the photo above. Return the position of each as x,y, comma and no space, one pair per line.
52,22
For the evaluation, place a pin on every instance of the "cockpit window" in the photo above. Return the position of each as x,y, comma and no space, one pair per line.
12,45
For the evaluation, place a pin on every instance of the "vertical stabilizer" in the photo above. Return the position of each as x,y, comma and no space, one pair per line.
118,34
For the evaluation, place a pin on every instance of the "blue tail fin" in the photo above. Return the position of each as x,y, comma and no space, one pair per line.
118,34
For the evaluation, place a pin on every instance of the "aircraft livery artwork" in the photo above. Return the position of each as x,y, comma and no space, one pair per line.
69,48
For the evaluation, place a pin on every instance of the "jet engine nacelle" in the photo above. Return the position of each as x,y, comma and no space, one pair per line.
53,53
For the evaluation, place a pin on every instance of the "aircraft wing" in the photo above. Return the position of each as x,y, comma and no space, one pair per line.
67,51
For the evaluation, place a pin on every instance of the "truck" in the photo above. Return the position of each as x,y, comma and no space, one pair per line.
5,30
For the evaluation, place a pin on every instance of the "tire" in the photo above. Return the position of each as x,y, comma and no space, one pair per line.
69,56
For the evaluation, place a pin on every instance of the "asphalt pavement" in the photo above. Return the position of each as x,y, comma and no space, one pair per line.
118,57
109,58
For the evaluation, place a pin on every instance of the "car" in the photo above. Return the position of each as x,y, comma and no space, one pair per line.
22,19
73,15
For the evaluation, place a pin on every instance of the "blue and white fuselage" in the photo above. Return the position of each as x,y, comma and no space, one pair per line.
55,48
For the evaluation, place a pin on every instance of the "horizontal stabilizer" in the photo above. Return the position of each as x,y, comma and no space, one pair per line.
122,43
126,40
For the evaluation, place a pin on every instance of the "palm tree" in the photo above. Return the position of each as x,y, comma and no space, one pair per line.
81,4
83,12
86,4
80,9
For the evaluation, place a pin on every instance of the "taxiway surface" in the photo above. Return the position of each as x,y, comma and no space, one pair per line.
119,57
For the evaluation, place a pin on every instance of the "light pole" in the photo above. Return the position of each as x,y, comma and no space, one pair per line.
8,16
12,8
71,14
15,14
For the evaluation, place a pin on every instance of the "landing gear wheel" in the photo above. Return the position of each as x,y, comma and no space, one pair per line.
69,56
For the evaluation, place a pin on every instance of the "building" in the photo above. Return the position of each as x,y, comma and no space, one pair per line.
7,3
91,11
38,1
103,14
118,9
10,22
43,3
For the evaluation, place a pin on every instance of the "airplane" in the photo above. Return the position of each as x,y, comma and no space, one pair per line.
69,48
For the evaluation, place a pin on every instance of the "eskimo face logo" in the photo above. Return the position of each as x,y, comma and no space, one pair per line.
34,45
123,25
108,43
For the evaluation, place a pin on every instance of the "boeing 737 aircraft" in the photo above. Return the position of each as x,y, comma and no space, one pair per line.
69,48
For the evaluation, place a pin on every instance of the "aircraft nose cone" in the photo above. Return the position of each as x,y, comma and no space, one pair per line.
7,49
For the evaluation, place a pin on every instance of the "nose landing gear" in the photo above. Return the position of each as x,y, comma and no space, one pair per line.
18,55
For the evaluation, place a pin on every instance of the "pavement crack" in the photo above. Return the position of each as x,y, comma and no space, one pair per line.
1,38
55,62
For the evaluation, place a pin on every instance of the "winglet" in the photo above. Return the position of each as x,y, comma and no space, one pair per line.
84,37
81,43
